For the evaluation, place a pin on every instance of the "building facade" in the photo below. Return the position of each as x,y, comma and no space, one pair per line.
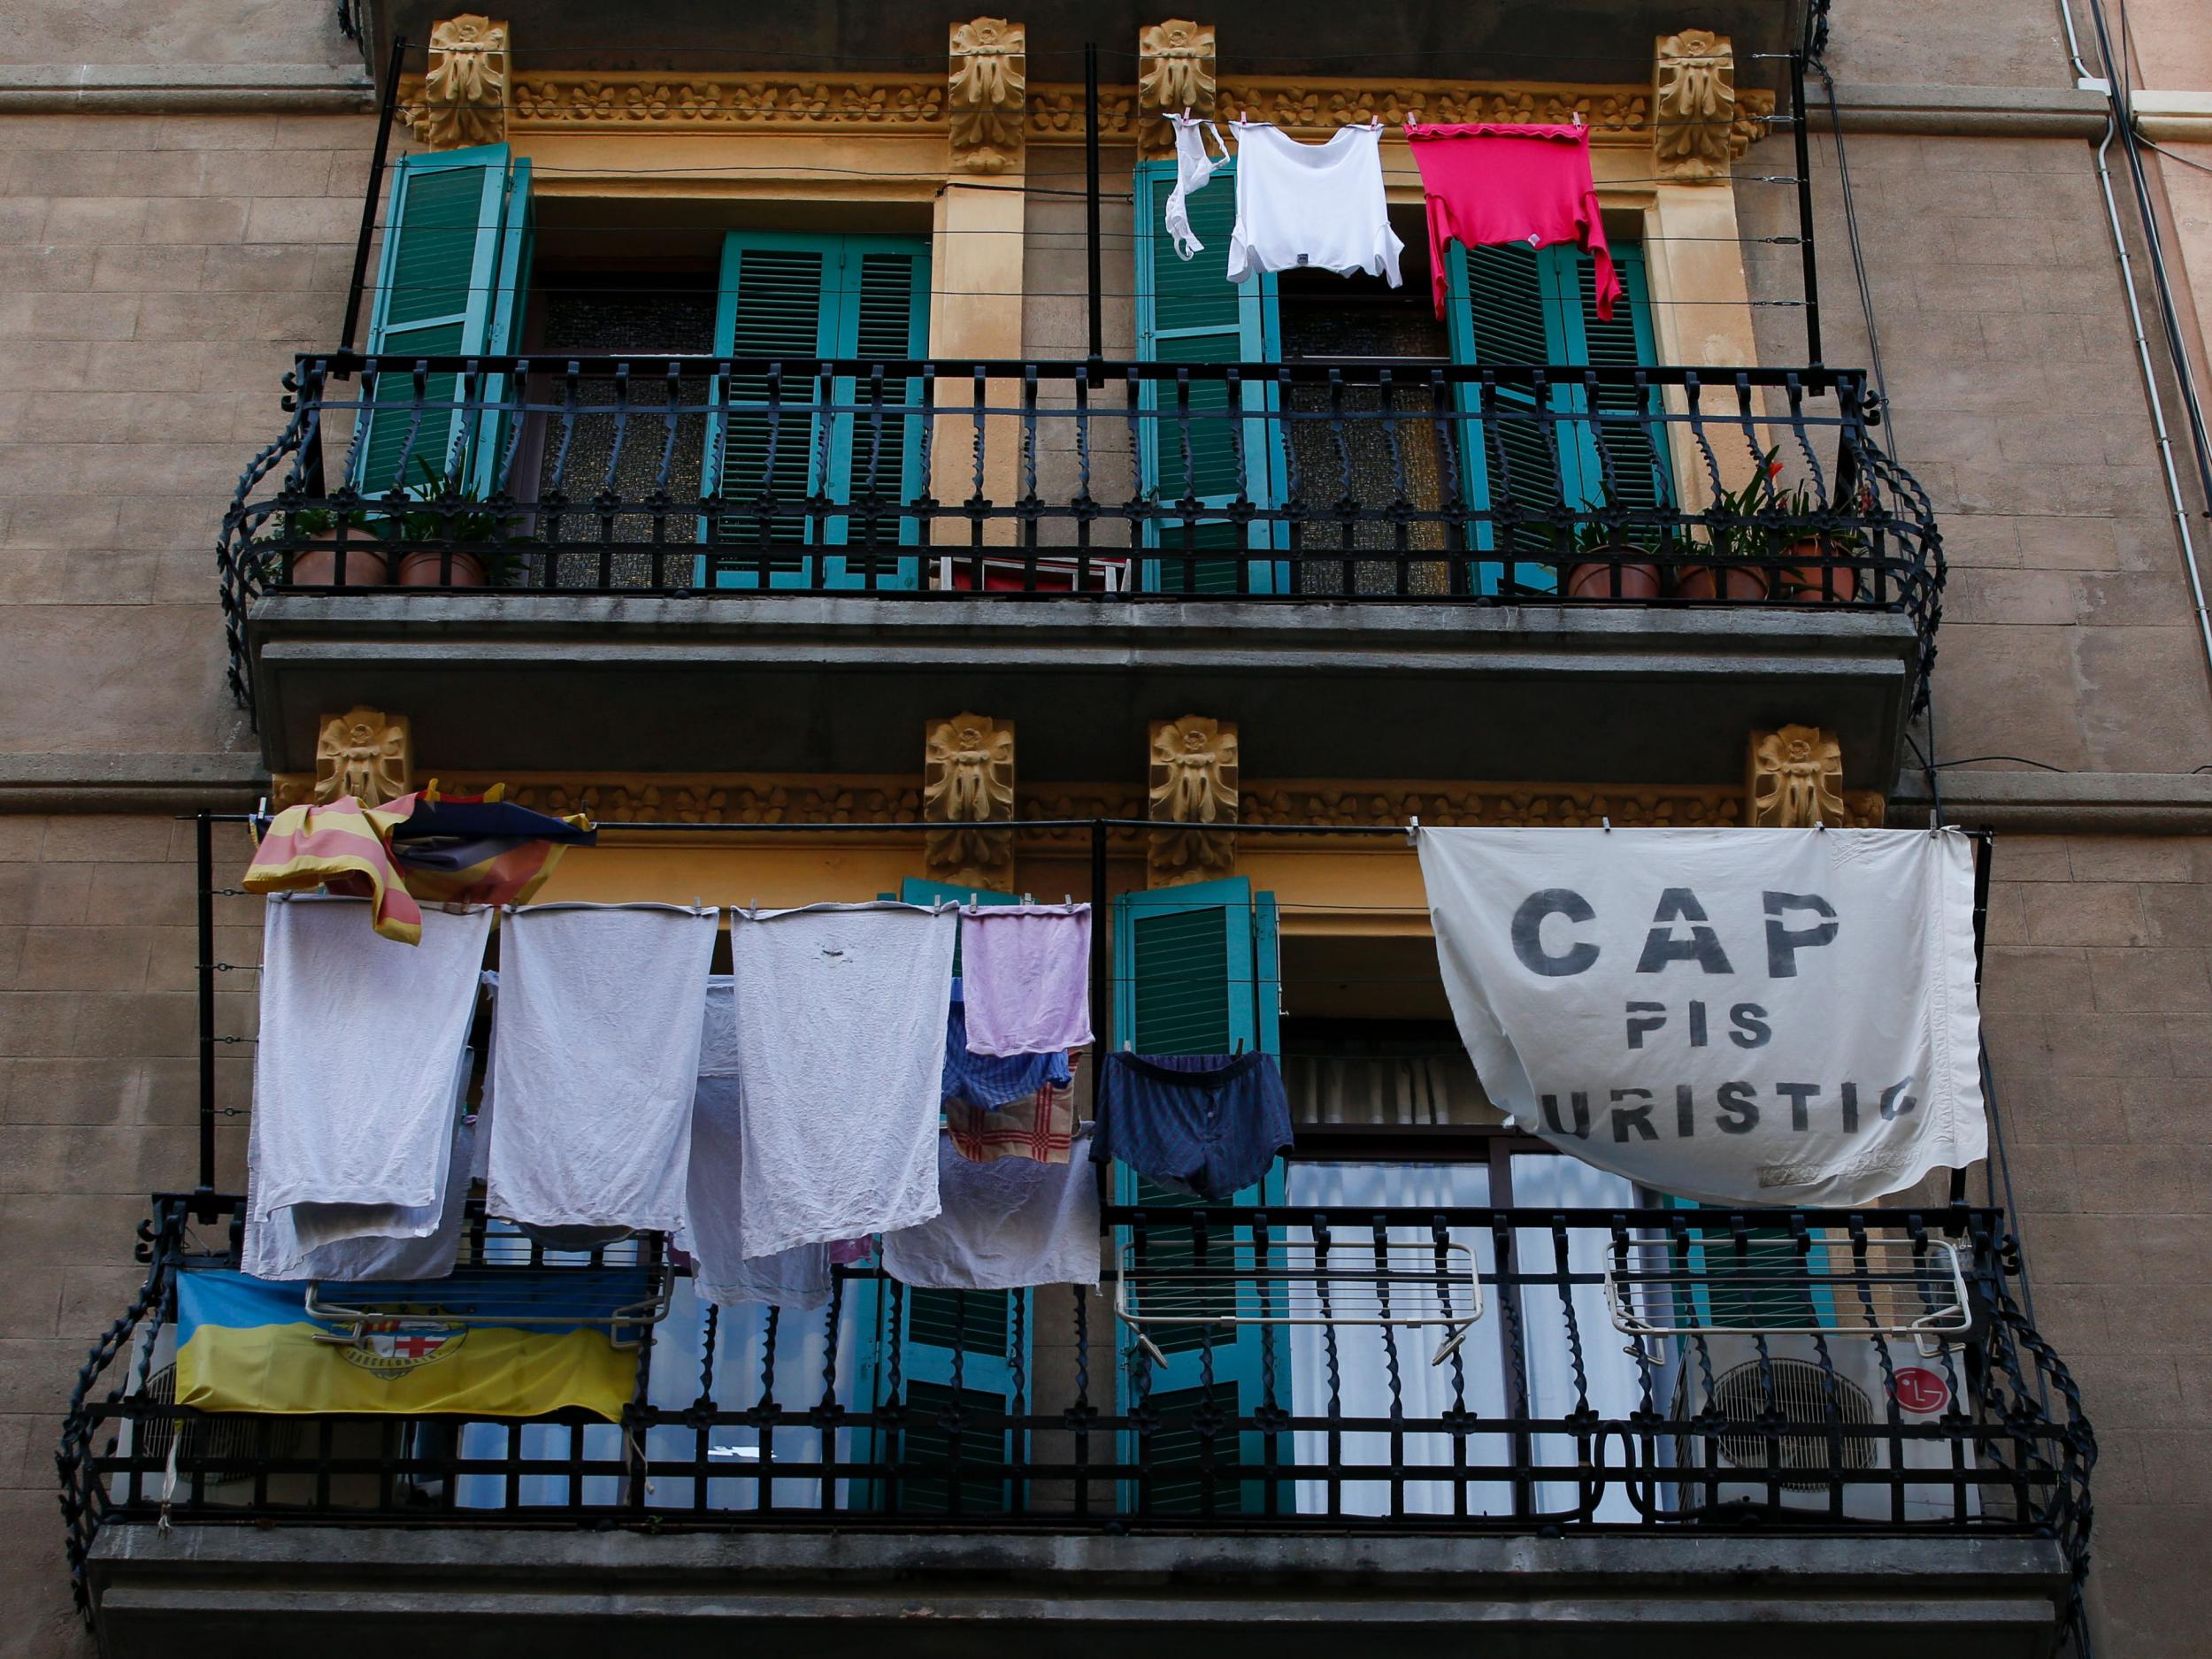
799,444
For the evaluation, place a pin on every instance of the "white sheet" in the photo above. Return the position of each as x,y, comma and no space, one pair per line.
713,1221
596,1063
354,1067
840,1013
1006,1225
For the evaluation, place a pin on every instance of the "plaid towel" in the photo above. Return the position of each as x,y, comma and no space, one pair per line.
1042,1127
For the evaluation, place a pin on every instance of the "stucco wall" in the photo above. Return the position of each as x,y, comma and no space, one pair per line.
156,274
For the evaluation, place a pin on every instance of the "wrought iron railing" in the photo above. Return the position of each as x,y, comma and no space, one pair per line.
1651,1371
1486,485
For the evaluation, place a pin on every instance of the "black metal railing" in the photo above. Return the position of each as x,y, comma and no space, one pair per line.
1488,485
1652,1371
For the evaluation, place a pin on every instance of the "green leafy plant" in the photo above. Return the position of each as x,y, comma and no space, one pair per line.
453,510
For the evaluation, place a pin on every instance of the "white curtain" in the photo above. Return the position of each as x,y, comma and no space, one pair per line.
1426,1391
1545,1180
1398,1090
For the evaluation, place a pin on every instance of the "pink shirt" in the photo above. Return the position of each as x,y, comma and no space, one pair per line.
1488,183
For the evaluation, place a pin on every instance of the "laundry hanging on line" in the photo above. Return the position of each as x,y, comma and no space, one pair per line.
1490,183
1311,206
1026,977
597,1063
354,1068
842,1013
1210,1126
1007,1225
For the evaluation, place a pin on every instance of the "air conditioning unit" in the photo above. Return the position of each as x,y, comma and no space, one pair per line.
1741,1464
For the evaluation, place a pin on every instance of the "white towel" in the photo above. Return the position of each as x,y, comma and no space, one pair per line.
271,1248
713,1234
354,1069
841,1012
1007,1223
596,1065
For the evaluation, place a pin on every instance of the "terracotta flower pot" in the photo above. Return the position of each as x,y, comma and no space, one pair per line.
1818,584
1721,581
1639,577
426,569
316,565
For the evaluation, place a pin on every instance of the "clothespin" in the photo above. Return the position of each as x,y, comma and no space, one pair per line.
1578,115
1607,823
1187,112
1413,830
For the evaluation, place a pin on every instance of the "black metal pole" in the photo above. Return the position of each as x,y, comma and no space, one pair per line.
1806,251
1102,980
205,909
376,185
1090,203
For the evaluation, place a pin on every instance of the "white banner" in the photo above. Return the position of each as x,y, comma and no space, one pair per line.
1769,1016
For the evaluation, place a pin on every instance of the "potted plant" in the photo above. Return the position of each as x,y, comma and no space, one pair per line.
1605,568
315,564
1823,577
1726,571
453,513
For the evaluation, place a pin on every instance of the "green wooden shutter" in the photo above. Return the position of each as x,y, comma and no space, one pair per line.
885,315
1499,314
801,299
1522,306
1189,312
777,301
455,258
1623,460
1195,972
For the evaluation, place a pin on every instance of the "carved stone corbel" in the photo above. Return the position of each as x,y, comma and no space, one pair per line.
988,87
365,753
464,93
1175,72
1193,785
967,780
1693,105
1794,779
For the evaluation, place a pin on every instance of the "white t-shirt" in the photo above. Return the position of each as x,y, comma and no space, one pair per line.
1311,206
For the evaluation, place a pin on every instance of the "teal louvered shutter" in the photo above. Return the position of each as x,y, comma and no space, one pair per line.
1499,315
455,259
1620,458
1195,972
1189,312
1520,305
1759,1282
799,300
876,454
764,444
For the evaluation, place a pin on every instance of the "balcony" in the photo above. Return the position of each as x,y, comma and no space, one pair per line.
1611,1423
1514,559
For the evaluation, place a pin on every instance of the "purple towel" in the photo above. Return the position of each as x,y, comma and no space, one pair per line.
1026,972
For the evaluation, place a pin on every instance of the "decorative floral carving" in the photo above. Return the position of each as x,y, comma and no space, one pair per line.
1193,782
968,778
1693,105
742,799
365,753
559,99
1796,780
987,93
1175,72
464,93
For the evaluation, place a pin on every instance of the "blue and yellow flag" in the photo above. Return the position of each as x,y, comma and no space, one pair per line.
247,1344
